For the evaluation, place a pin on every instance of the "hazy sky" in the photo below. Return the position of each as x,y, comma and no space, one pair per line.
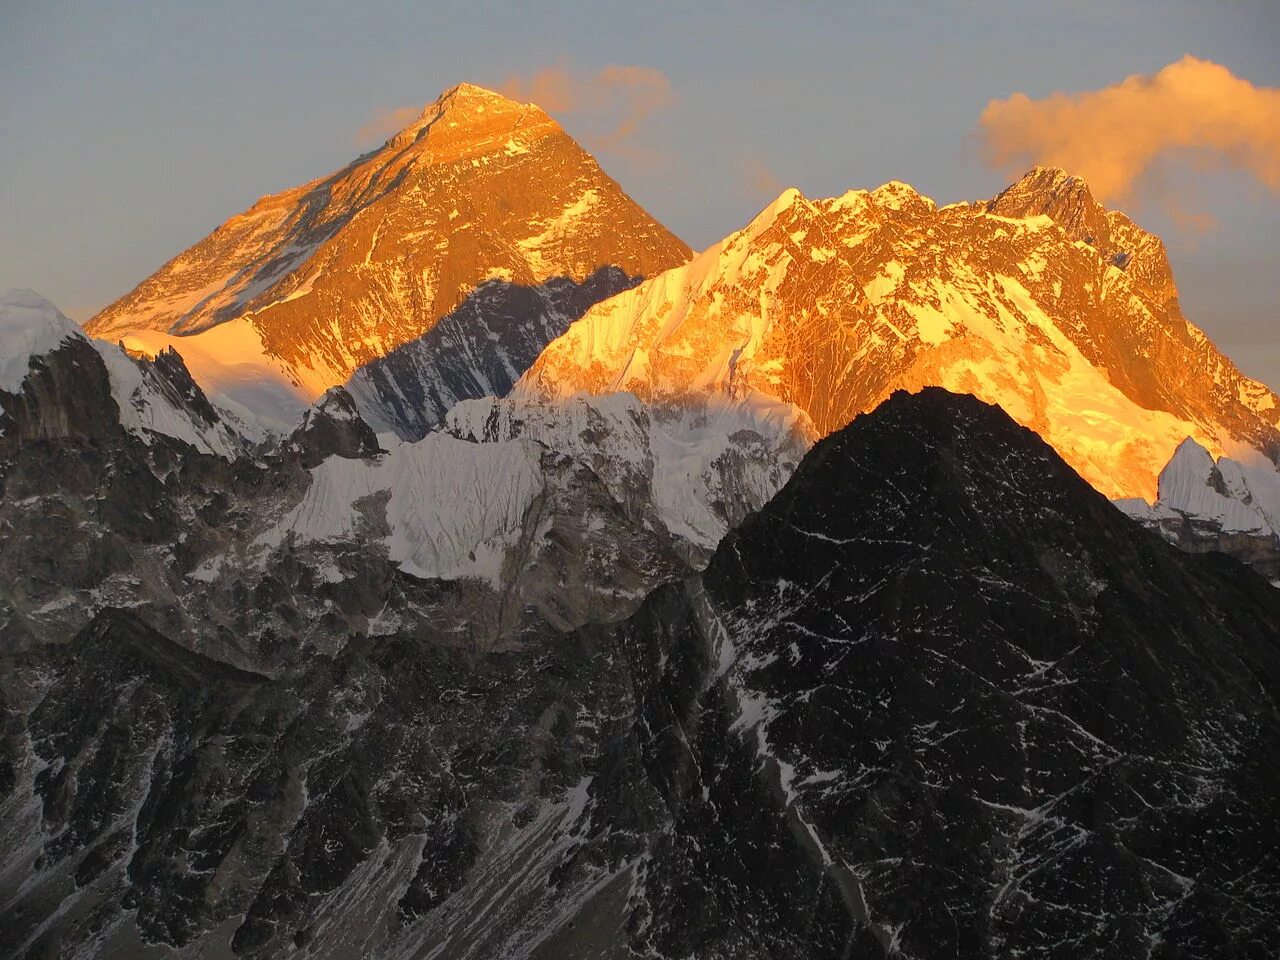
129,130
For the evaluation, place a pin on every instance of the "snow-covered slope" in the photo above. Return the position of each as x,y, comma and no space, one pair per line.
153,397
452,509
698,469
29,326
1041,301
256,390
316,281
1237,497
1222,504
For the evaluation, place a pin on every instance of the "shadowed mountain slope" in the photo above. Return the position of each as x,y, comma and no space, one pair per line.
937,698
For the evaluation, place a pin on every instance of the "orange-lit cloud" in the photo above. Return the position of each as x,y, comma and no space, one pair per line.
1116,137
618,97
386,121
758,180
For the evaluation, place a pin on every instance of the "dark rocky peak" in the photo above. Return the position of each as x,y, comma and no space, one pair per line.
65,395
333,427
171,370
940,474
938,689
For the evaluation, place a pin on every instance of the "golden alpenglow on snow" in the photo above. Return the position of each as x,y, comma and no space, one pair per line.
293,295
460,557
1063,313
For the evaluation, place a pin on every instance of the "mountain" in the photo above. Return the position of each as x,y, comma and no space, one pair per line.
478,350
937,698
111,467
293,295
121,486
55,382
1222,505
1040,300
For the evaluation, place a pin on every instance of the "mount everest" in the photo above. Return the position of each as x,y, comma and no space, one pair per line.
477,196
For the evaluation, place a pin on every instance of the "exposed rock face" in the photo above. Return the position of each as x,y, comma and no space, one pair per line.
323,278
333,427
938,698
57,385
478,350
118,492
111,477
1048,191
947,690
1040,301
67,395
1221,505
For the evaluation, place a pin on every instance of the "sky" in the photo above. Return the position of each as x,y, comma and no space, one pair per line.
130,130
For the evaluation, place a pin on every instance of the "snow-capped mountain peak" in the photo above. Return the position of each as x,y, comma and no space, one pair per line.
1225,504
1039,300
466,120
152,397
29,326
313,283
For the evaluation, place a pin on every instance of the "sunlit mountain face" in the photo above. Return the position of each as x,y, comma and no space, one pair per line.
441,560
1040,300
486,215
479,195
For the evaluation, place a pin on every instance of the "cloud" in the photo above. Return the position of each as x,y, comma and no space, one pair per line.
616,98
554,89
1118,138
386,121
758,180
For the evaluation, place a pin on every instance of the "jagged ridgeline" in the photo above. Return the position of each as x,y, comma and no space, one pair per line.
937,698
482,208
1063,313
438,561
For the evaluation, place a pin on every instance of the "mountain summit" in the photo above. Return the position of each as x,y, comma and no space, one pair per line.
1040,300
294,294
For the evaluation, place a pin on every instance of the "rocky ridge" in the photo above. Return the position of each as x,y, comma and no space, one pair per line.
920,702
1040,300
292,296
115,494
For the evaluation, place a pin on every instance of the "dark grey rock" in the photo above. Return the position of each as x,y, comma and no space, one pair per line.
938,698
